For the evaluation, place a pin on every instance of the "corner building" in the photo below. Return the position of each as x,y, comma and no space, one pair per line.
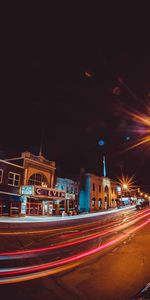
97,193
37,193
41,193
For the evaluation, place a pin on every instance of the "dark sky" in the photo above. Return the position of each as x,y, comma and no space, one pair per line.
46,51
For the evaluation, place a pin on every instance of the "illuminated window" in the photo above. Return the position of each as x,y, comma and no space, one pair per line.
93,202
100,203
1,175
13,179
37,179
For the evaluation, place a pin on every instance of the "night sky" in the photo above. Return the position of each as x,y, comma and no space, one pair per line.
44,87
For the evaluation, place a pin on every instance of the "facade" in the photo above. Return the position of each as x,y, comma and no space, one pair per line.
71,189
37,191
40,192
11,178
97,193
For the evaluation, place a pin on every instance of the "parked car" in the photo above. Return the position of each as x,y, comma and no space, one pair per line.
141,203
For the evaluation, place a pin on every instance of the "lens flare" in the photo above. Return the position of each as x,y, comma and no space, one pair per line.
140,127
127,183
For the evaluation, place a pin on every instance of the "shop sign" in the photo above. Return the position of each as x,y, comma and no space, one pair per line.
49,193
27,190
70,196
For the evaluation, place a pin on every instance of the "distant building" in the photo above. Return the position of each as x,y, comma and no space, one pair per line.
96,193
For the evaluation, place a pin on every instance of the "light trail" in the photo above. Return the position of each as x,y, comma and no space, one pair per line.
30,252
55,230
71,259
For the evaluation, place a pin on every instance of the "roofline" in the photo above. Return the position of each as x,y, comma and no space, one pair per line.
68,179
15,158
36,161
7,162
41,163
1,192
101,177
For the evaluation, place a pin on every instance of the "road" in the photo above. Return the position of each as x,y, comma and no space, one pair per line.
50,262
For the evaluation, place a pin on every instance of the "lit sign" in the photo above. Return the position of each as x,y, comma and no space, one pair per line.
118,189
49,192
40,191
70,196
27,190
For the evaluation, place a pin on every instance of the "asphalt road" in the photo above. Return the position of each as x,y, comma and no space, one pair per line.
41,261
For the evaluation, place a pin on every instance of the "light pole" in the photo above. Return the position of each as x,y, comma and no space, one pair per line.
101,143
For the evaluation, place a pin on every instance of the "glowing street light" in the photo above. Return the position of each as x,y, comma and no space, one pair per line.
125,186
126,182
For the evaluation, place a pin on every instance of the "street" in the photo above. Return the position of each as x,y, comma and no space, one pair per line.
65,260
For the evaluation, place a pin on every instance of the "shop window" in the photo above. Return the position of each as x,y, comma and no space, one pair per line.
13,179
37,179
1,175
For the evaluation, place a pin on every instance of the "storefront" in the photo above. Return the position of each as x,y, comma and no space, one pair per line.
42,201
10,205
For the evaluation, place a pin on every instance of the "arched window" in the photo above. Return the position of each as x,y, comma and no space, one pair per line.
106,189
37,179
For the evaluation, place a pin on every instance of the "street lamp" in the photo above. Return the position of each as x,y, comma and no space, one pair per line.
125,186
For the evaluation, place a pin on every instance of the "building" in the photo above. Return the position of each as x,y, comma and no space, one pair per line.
11,178
71,189
97,193
41,193
37,191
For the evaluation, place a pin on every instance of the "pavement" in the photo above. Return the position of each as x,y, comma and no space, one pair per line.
41,219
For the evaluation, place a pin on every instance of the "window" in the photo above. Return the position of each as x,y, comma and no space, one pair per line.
93,186
1,175
37,179
93,203
13,179
100,203
99,189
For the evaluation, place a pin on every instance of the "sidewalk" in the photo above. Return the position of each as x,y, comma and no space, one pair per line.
40,219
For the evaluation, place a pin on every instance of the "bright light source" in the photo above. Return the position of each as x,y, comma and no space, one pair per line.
125,186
